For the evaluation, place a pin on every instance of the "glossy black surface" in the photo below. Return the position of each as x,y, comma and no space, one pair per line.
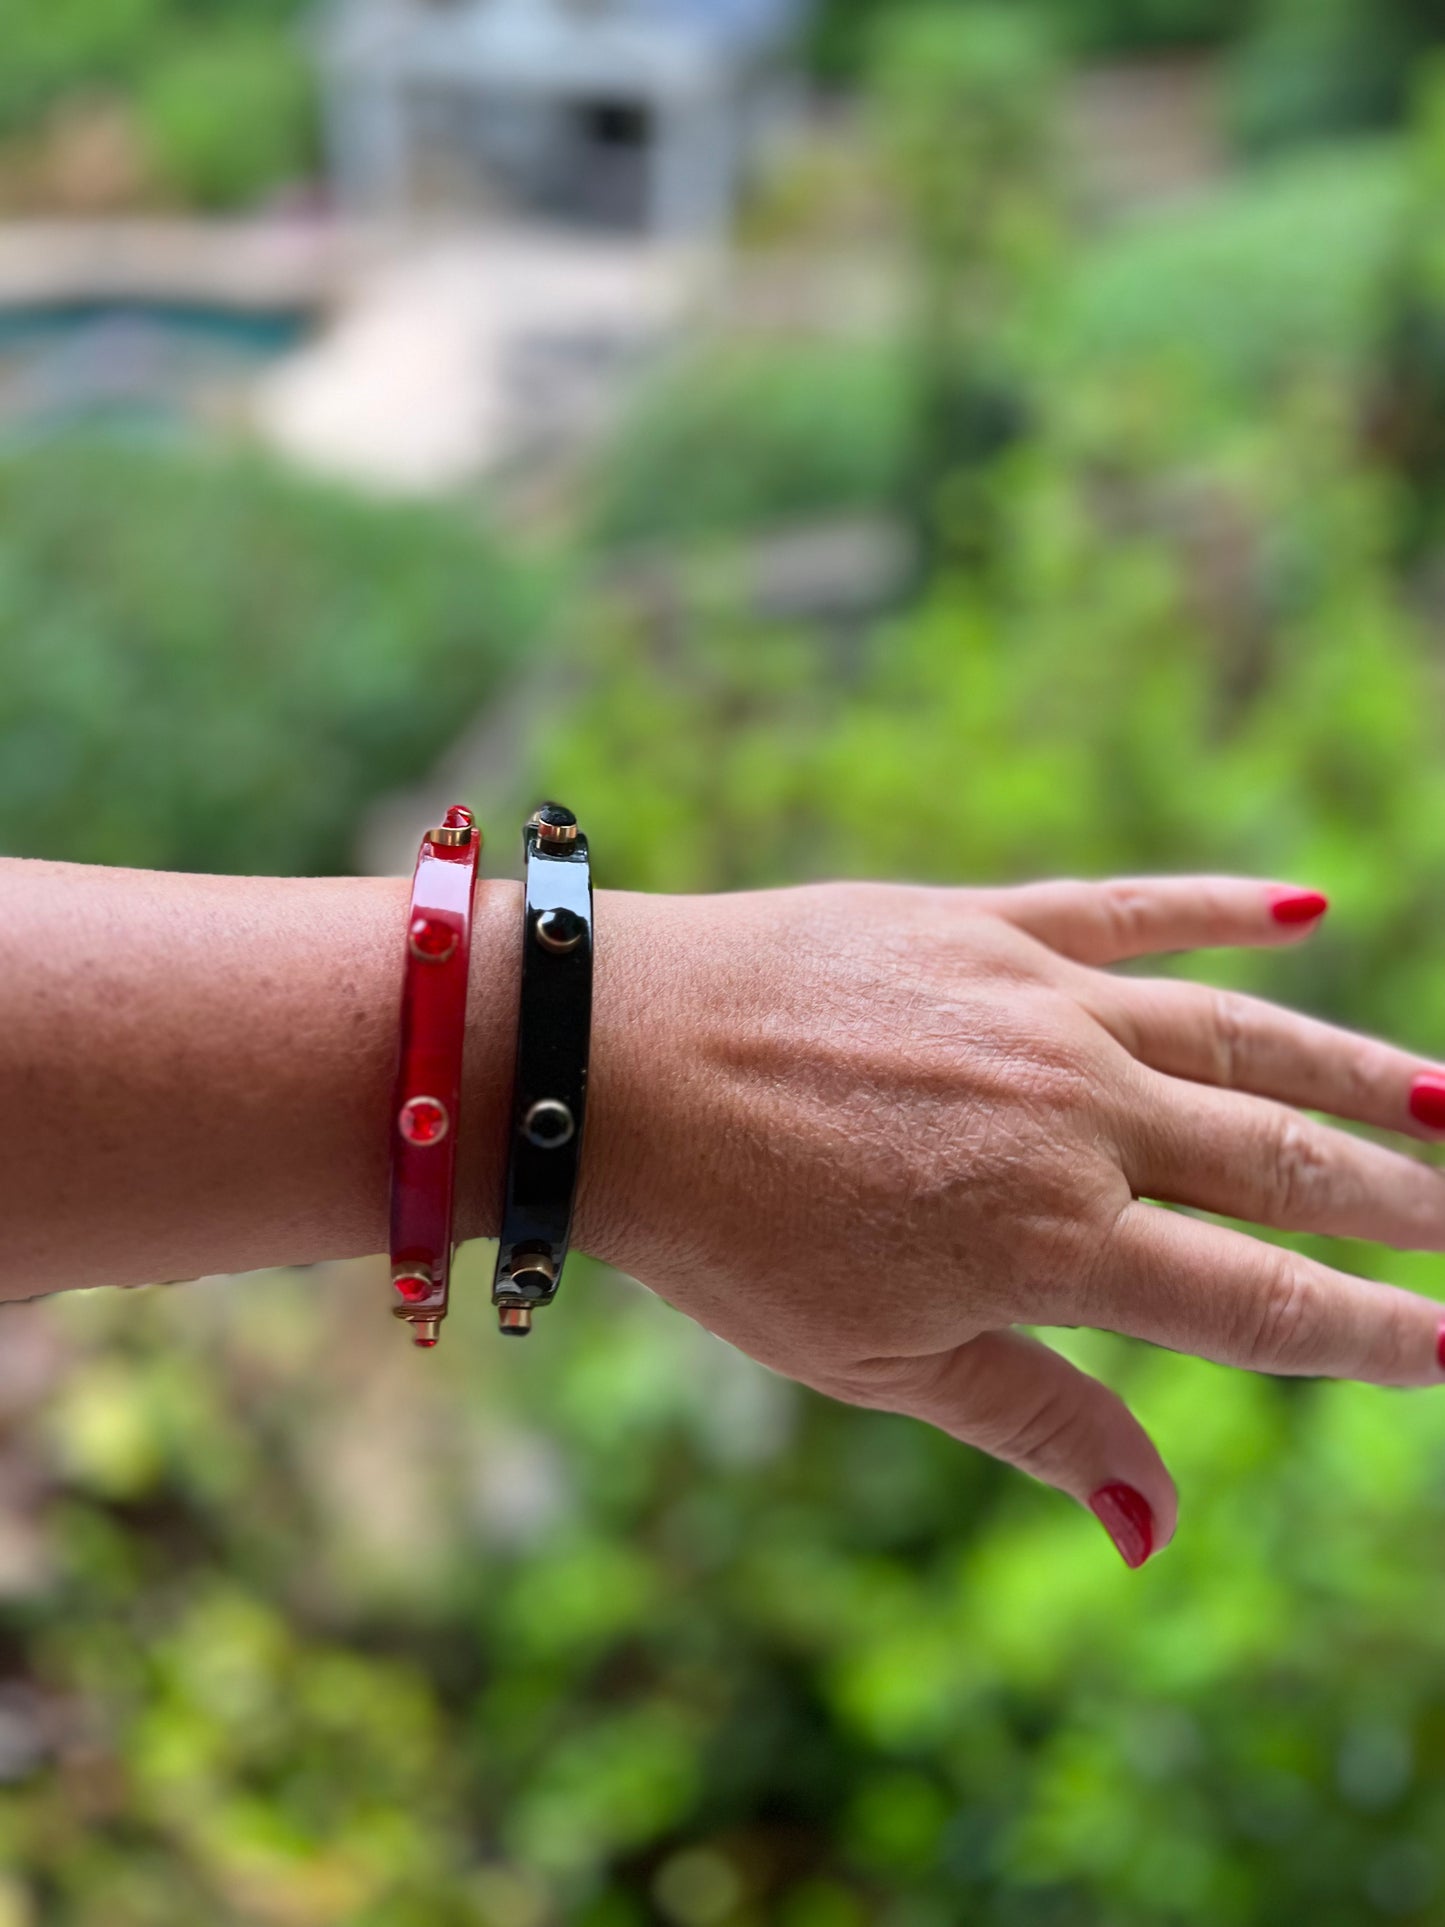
553,1037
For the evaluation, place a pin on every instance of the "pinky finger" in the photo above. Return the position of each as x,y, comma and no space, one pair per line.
1021,1402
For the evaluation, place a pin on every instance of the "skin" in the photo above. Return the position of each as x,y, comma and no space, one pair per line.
863,1132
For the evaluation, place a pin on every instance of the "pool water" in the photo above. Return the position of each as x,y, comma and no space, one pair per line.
155,363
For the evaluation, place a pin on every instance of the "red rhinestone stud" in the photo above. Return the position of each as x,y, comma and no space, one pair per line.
431,939
455,831
423,1120
413,1282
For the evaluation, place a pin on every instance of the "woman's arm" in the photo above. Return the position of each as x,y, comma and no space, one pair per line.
861,1131
196,1071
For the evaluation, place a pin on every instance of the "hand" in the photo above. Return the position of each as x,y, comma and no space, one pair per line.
862,1132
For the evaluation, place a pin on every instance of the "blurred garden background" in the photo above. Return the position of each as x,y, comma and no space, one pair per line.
1038,467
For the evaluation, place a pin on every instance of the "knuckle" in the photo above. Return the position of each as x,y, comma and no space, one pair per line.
1287,1322
1231,1036
1301,1169
1032,1438
1357,1078
1126,912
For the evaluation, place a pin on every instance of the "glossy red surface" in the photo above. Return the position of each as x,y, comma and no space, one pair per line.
432,939
423,1120
427,1095
1297,906
1427,1100
1124,1514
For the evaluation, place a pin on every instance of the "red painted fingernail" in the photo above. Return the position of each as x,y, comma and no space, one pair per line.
1297,906
1440,1344
1427,1100
1125,1516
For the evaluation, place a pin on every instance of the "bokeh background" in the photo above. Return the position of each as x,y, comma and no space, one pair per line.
956,442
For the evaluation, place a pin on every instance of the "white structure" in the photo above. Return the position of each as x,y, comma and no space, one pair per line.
640,114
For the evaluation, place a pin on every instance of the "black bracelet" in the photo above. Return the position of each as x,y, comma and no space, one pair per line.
549,1098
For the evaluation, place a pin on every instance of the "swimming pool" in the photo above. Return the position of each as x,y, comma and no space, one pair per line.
160,364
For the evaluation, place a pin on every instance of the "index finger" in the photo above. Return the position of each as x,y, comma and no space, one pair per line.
1109,922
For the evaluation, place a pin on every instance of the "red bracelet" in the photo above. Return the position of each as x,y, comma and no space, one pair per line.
427,1097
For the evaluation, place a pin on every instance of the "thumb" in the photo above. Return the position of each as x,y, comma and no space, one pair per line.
1019,1401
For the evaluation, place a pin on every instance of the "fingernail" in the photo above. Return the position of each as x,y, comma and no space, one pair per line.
1297,906
1440,1344
1125,1516
1427,1100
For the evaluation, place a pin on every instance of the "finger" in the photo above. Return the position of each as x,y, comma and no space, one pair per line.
1220,1294
1021,1402
1243,1043
1250,1158
1105,923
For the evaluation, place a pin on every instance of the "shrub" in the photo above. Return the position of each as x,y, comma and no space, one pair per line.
209,665
737,437
228,115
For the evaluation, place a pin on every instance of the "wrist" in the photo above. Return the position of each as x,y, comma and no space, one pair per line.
493,987
638,1040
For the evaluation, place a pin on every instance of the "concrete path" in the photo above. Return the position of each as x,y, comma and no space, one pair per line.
456,353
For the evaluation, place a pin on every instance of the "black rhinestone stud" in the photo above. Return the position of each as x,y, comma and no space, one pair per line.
548,1124
532,1273
556,826
559,931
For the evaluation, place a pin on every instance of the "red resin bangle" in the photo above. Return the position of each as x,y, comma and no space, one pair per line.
427,1097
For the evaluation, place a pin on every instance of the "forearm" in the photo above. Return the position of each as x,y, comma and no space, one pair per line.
196,1071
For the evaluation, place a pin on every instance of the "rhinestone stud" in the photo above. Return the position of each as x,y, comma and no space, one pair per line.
548,1124
423,1120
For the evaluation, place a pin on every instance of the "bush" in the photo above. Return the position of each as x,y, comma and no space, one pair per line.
1277,271
68,47
1311,69
735,438
223,97
211,666
842,29
229,115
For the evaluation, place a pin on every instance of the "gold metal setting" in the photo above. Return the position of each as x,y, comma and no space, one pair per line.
560,946
453,837
536,1264
515,1319
554,835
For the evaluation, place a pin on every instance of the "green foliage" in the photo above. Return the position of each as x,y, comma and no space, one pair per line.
1313,68
842,29
735,437
1194,316
69,46
965,103
1279,271
211,666
229,114
222,94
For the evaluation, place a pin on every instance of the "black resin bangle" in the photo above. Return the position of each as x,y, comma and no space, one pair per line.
549,1099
